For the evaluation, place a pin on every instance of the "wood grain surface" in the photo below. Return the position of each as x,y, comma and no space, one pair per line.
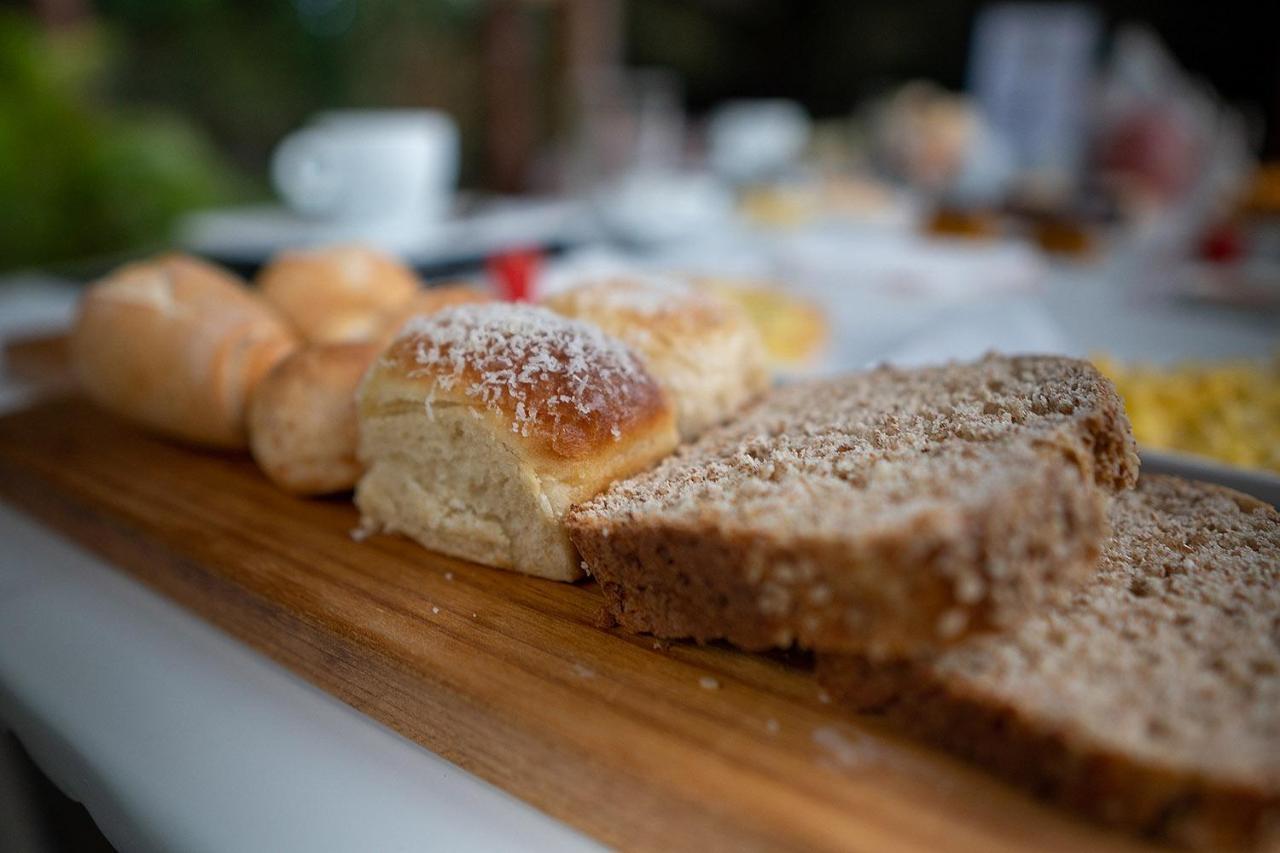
42,361
641,745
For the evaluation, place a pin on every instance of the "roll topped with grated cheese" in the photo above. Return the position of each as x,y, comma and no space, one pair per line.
481,425
703,349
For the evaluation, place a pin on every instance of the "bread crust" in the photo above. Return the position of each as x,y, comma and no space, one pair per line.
481,425
836,516
302,418
177,345
338,293
703,349
552,414
904,590
1094,722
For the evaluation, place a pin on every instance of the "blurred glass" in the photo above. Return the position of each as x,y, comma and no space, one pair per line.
624,121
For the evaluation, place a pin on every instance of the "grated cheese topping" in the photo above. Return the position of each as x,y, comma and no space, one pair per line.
533,366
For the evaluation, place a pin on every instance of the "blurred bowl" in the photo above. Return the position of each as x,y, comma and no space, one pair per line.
751,141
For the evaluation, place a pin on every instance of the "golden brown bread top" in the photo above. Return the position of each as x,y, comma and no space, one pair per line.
336,293
180,284
177,344
302,417
702,348
657,308
316,370
564,386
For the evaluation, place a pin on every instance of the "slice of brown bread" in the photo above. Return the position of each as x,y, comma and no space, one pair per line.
891,511
1150,701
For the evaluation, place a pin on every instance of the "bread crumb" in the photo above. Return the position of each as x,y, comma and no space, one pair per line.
448,576
820,595
363,530
583,671
435,609
771,726
970,588
850,750
706,682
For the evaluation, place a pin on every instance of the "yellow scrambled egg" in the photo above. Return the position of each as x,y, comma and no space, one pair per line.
1227,410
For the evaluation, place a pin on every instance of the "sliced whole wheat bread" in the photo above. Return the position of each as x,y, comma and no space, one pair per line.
889,512
1151,700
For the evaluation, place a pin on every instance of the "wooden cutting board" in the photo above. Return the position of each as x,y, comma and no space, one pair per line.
639,744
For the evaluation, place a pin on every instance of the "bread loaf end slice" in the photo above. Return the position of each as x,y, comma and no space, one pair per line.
1150,700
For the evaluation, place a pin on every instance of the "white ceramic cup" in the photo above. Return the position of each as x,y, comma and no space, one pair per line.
369,164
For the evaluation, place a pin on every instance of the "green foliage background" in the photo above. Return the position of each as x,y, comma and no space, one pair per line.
111,129
79,179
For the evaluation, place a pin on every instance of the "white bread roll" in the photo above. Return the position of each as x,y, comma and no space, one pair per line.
302,418
482,424
703,349
177,345
339,293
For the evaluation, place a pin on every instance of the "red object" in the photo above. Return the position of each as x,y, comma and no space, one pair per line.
514,273
1222,244
1153,148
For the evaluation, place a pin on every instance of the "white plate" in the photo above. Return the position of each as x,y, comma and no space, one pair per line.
251,235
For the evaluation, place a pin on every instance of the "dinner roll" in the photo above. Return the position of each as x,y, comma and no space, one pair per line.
703,349
302,418
339,293
482,424
177,345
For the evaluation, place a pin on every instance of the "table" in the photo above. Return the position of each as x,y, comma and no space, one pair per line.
176,737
